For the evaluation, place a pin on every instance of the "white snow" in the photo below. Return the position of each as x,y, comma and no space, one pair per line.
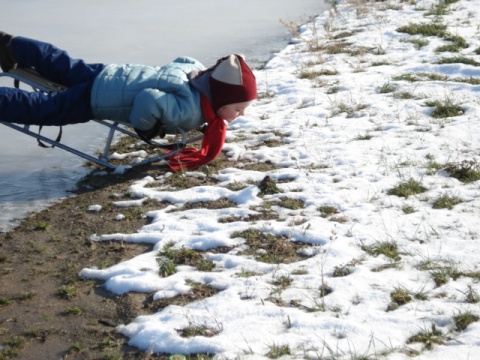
339,142
95,208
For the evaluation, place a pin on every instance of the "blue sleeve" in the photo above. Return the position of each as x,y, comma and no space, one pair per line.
172,110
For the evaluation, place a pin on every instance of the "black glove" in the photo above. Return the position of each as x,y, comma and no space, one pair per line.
147,135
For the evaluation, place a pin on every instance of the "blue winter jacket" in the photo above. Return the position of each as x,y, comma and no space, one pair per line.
140,95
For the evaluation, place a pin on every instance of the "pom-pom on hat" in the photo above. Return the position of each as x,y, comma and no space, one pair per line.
232,82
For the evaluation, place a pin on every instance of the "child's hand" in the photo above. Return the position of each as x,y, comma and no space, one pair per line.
147,135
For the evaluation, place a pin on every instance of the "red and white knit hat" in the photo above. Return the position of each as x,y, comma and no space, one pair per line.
232,82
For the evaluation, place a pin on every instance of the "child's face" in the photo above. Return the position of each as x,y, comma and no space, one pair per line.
231,111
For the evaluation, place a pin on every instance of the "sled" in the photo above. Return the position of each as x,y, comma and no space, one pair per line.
31,78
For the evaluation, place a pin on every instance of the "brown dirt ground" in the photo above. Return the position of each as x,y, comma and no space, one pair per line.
46,310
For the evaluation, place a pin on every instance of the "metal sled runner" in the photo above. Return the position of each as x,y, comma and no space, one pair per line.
33,79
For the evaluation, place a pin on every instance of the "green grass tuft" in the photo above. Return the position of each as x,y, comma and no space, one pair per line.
408,188
270,248
277,351
445,109
428,337
326,211
425,29
466,171
67,292
464,319
458,60
400,296
268,186
446,201
387,248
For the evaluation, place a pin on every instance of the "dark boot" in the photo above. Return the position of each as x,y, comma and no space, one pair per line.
7,61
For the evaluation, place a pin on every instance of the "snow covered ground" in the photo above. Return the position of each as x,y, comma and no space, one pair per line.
345,123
